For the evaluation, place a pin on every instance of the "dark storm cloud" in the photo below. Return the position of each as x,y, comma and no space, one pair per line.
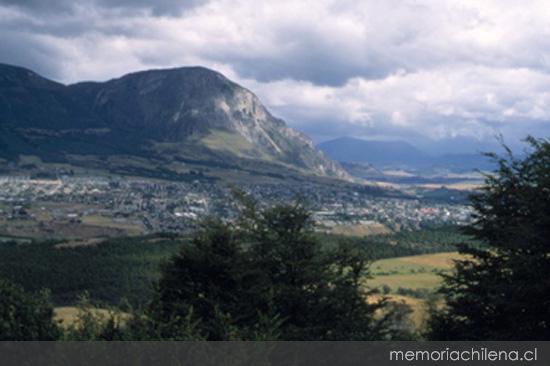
24,50
157,7
395,68
314,59
40,6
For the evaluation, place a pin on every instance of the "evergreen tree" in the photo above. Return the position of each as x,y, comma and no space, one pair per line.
266,276
208,279
502,291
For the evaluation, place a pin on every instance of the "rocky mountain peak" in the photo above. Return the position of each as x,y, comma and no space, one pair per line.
195,108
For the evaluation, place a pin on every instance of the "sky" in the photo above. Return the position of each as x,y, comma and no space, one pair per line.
452,74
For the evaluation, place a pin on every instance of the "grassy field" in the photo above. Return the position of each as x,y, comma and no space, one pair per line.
414,272
410,280
357,230
130,228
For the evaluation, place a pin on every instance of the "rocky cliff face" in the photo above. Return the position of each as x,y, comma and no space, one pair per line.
185,112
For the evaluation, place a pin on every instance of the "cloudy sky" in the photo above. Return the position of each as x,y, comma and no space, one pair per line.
416,70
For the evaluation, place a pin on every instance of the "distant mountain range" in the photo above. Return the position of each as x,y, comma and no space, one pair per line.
161,123
399,155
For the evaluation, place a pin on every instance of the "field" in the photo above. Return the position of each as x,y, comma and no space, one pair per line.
49,220
130,228
411,280
357,230
419,272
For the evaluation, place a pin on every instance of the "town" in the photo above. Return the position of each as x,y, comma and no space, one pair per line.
73,207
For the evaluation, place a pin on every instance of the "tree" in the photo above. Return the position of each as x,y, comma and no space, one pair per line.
266,276
25,316
501,291
207,279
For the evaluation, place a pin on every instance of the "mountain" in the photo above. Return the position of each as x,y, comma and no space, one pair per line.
397,155
157,121
377,153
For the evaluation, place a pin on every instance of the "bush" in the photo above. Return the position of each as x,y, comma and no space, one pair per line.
25,316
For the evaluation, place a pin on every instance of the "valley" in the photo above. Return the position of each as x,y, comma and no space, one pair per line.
102,182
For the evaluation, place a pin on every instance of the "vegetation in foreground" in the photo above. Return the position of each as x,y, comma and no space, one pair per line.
25,316
268,277
502,291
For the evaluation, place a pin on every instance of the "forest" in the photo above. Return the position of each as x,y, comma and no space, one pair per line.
126,268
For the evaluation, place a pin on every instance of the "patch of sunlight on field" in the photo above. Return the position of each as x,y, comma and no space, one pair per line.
359,230
414,272
417,281
69,314
460,186
439,260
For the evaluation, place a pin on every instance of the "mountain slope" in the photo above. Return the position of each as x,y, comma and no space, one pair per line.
397,155
378,153
186,115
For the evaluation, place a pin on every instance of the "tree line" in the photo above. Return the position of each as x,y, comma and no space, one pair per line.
125,267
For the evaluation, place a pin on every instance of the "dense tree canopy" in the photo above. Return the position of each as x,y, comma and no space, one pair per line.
25,316
265,276
502,291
